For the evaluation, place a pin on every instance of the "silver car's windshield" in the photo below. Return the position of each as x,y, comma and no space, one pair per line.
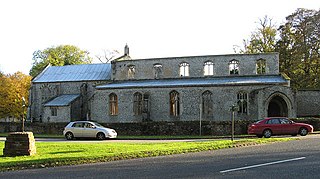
97,124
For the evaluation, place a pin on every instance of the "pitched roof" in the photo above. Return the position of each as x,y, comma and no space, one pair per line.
85,72
123,58
62,100
197,82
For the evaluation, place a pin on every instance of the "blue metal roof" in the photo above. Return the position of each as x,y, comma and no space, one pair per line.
194,82
85,72
62,100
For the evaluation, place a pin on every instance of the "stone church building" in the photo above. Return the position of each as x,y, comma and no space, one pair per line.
168,89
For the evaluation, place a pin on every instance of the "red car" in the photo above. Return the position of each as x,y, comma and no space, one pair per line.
278,126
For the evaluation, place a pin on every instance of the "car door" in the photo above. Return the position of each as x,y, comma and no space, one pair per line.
78,129
275,126
89,130
286,126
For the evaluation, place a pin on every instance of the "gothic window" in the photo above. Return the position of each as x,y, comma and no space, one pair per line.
208,68
234,67
54,111
131,71
174,103
57,87
84,89
184,69
84,98
113,104
46,91
157,71
146,99
242,101
207,104
137,103
261,66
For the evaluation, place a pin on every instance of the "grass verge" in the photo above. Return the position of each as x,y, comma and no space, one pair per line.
155,137
50,154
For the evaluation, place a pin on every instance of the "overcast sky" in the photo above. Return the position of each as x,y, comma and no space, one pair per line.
151,28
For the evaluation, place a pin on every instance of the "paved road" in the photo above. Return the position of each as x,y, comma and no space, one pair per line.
293,159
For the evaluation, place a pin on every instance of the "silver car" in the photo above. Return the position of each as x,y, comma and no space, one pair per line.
88,129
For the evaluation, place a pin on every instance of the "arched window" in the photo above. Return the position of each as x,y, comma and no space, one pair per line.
146,103
174,103
208,68
131,71
184,69
137,103
48,92
113,104
242,101
207,104
261,66
234,67
157,70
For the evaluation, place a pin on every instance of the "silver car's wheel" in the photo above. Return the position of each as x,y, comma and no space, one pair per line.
267,133
101,136
69,136
303,131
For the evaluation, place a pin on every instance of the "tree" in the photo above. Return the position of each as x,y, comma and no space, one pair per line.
12,89
58,56
299,48
298,45
108,55
263,39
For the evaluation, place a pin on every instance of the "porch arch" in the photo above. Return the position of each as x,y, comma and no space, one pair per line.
278,105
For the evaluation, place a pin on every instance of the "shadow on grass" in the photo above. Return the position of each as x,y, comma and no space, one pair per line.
53,153
52,162
66,152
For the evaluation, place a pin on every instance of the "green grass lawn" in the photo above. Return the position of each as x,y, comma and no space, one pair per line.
160,137
51,154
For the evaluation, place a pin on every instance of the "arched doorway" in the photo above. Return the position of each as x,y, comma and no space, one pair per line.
277,107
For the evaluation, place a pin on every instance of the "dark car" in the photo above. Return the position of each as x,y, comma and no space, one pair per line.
278,126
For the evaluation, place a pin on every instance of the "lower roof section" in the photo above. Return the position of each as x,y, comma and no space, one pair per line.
198,82
62,100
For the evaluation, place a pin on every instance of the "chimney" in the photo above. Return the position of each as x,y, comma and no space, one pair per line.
126,50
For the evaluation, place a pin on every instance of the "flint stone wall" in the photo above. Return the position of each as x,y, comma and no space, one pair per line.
214,128
190,99
308,103
141,128
144,67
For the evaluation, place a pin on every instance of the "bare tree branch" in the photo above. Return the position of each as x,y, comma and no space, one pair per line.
108,56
